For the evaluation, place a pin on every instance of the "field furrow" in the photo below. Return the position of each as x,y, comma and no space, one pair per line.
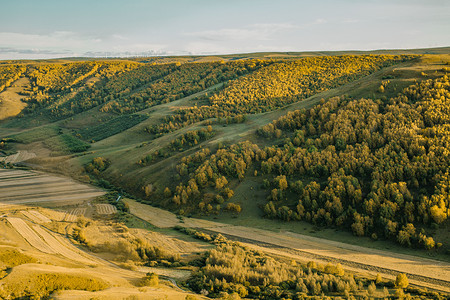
72,215
30,235
105,209
35,216
57,247
20,187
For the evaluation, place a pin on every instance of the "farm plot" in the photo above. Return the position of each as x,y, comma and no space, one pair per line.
35,216
72,215
30,235
55,215
12,174
20,187
59,248
18,157
105,209
47,242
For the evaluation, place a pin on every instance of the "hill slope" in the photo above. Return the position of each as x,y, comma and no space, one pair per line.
202,138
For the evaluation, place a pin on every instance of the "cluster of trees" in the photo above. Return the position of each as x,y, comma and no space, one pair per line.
300,78
183,80
97,165
207,185
9,74
192,138
376,167
57,89
181,143
181,118
123,86
190,115
54,78
231,269
276,85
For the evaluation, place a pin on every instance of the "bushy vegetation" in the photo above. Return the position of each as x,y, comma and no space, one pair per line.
231,269
377,168
110,128
123,245
10,258
150,279
277,85
97,165
9,74
40,285
187,140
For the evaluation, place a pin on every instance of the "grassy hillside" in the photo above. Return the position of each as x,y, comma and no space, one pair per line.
356,142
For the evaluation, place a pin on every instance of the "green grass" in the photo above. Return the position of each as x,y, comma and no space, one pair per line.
34,135
66,143
111,127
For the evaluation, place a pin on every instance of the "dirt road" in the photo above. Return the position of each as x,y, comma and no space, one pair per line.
425,272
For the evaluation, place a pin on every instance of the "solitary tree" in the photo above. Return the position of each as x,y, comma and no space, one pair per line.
401,281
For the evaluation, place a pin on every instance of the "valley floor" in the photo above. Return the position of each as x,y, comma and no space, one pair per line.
424,272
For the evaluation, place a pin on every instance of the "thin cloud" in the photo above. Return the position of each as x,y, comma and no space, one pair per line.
5,50
252,32
319,21
53,40
350,21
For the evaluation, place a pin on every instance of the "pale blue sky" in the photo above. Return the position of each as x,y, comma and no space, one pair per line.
61,28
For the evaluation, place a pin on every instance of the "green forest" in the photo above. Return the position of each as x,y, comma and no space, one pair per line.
376,167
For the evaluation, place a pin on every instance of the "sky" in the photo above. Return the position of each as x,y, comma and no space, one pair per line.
31,29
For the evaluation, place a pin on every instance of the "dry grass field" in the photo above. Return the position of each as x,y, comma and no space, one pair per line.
11,103
35,216
41,260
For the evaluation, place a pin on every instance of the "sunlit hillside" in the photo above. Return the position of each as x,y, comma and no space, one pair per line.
189,155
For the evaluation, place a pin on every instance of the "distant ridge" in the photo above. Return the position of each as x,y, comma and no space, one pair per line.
215,57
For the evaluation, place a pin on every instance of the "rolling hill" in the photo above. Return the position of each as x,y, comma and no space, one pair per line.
350,141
